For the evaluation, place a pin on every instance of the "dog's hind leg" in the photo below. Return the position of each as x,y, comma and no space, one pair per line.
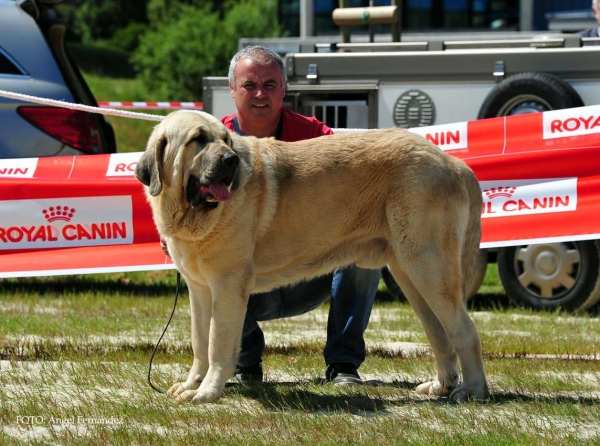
200,306
443,351
437,294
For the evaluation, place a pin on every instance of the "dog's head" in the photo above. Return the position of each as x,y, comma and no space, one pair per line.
193,149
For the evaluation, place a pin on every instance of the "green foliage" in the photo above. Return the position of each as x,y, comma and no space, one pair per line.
160,11
100,19
194,41
249,18
127,39
101,60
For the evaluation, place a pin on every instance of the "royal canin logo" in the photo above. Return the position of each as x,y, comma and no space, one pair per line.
446,137
122,164
561,123
528,197
77,222
500,191
18,168
53,213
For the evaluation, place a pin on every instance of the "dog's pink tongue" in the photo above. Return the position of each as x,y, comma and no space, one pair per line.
220,191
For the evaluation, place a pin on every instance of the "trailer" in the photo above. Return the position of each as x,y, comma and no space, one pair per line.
414,83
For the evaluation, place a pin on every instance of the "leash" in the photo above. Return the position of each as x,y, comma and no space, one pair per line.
161,336
80,107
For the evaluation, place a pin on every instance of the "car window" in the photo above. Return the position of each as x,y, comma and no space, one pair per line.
8,66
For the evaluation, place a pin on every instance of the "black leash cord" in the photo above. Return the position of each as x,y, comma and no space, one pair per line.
163,333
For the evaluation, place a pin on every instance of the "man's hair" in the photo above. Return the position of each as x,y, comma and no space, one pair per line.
258,54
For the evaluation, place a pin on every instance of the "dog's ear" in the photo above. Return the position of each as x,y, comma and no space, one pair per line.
229,140
149,168
200,134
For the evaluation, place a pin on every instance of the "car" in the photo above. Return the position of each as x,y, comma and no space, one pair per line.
34,61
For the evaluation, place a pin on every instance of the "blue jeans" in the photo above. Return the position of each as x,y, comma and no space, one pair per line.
352,292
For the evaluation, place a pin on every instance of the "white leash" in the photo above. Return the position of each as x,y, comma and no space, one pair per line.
107,111
81,107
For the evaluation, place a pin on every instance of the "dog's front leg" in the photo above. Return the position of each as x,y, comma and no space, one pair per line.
229,302
201,312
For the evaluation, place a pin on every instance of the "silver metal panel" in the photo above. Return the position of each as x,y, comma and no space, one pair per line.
216,97
453,102
589,92
445,66
326,88
356,112
222,103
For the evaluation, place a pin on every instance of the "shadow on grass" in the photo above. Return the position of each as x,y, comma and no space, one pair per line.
501,302
490,302
316,347
515,397
58,286
367,400
481,302
291,396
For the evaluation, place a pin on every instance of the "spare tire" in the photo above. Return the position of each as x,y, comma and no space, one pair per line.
527,93
553,275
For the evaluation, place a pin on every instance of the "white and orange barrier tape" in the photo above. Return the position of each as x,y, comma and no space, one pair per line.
539,175
152,105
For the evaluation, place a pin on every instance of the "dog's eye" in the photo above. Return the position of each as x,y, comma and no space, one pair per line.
200,139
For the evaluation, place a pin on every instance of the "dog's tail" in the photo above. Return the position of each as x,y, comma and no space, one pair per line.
472,240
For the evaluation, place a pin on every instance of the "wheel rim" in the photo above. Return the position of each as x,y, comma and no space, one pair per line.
548,271
523,104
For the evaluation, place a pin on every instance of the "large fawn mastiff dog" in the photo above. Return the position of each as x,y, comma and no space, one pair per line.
243,215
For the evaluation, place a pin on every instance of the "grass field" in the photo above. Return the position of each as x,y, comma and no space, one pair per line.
75,354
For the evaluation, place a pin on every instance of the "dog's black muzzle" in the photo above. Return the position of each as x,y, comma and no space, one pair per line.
217,187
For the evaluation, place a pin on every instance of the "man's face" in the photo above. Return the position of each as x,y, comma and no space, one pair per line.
258,92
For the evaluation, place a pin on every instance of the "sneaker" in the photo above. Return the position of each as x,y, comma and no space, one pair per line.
342,373
252,374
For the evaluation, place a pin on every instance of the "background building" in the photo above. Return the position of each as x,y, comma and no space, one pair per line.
441,15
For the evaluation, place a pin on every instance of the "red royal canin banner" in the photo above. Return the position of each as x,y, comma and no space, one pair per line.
539,175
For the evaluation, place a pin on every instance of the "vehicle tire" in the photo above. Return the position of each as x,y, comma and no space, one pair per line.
478,276
552,275
529,93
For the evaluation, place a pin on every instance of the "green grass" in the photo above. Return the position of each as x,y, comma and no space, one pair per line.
131,134
77,348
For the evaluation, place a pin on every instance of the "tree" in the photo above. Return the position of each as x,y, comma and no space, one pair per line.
100,19
194,41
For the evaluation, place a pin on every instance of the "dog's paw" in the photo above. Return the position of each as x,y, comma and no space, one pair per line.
175,389
461,394
433,388
198,396
178,388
